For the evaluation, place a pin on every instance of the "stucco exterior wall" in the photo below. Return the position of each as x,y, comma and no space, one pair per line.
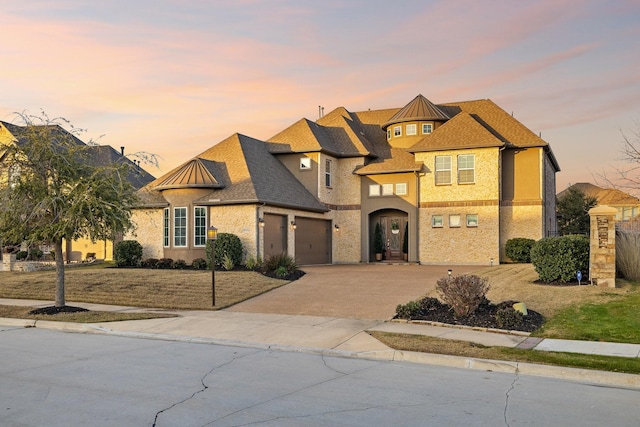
520,221
81,247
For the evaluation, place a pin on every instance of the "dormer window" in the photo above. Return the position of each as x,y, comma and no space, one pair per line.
427,128
397,131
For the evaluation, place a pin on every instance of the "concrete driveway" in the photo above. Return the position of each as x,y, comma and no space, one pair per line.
360,291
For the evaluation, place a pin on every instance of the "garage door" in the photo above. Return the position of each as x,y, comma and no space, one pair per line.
313,241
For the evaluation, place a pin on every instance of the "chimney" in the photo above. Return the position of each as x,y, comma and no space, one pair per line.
122,151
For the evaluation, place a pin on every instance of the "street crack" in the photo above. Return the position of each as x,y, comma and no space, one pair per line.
508,393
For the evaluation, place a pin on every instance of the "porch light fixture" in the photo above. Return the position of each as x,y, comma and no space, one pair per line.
260,222
449,271
336,228
294,225
212,235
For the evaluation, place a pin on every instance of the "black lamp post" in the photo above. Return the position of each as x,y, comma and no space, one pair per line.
212,235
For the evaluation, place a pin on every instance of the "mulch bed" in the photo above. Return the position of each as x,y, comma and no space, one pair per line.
484,317
55,310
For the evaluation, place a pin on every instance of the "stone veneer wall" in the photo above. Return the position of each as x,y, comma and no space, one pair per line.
346,241
459,245
148,232
240,220
602,246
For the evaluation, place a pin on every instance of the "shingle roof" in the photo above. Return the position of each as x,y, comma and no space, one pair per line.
399,160
462,131
604,196
247,173
338,133
420,108
99,155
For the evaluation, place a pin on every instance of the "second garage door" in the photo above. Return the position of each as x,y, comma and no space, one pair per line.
313,241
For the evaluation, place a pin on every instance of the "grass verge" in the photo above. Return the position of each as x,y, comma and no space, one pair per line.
425,344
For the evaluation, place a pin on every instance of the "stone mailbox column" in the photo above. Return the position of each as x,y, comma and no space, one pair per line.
8,261
602,253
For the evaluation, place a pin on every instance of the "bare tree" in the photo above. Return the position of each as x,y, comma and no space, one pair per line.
626,177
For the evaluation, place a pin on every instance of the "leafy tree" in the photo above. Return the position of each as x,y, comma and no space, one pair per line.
573,212
56,187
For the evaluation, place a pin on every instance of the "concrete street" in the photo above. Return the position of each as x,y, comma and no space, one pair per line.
55,378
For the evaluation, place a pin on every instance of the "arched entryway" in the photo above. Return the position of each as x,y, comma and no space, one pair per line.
392,225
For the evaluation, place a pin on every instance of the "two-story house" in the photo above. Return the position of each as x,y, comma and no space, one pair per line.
461,178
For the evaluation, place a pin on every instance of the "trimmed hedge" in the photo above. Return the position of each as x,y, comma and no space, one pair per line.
559,258
519,249
127,253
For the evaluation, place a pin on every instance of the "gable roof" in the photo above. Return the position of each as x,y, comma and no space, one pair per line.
338,133
245,172
420,108
462,131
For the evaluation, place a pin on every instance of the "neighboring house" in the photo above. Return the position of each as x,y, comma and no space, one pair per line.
462,177
626,205
100,155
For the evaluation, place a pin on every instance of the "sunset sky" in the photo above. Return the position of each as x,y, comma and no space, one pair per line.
173,77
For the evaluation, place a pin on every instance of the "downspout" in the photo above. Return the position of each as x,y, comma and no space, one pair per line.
258,208
417,218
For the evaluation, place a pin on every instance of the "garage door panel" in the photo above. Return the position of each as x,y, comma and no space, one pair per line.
313,241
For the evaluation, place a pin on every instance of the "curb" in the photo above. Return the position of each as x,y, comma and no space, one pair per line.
572,374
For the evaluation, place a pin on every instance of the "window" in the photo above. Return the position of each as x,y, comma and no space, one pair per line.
401,189
388,134
180,227
443,170
454,220
412,129
374,190
397,131
466,169
387,189
436,221
427,128
305,163
472,220
327,173
165,228
199,226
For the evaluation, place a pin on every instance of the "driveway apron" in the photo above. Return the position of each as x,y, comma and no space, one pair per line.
362,291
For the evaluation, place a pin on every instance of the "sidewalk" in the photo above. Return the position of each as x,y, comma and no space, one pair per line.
337,336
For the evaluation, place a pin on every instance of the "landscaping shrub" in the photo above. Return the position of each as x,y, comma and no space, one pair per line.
22,255
559,258
463,293
35,254
627,255
165,263
508,318
199,264
253,264
227,263
281,265
180,264
127,253
150,263
519,249
417,309
226,244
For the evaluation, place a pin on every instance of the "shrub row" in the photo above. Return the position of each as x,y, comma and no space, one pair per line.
555,259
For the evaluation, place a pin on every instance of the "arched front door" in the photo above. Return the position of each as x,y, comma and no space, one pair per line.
392,224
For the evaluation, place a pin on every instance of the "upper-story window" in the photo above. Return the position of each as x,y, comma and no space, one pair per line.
401,189
466,169
412,129
179,227
199,226
327,173
397,131
443,170
427,128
